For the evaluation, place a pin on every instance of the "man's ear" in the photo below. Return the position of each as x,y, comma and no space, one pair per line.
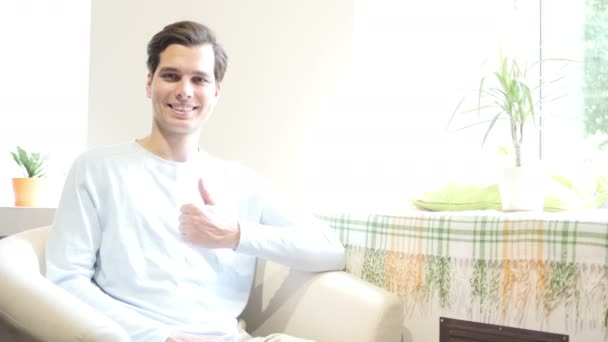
149,86
218,90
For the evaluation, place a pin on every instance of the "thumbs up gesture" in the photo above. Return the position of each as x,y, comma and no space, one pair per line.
206,226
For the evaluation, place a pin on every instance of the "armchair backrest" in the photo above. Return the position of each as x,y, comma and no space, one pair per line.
34,309
25,250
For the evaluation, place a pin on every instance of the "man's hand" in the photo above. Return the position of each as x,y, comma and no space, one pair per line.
177,337
206,226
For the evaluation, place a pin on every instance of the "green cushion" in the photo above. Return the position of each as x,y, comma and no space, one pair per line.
560,196
456,197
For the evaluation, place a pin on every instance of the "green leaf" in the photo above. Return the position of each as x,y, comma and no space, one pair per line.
16,158
33,164
502,150
563,181
490,128
455,111
23,155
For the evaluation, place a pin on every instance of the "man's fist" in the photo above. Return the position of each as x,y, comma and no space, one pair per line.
206,226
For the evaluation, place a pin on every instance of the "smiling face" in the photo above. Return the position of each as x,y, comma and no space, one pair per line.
183,89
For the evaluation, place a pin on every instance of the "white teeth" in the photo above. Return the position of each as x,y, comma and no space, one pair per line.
182,108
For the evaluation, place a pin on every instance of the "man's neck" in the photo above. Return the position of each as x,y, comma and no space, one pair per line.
179,148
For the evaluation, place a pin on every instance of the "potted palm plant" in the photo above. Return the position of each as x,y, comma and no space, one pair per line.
27,188
508,94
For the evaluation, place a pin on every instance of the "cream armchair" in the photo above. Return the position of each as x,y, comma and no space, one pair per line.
327,307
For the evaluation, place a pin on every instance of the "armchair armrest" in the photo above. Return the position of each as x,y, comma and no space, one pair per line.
31,307
327,307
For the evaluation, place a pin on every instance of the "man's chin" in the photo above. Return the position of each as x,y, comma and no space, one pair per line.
181,128
187,116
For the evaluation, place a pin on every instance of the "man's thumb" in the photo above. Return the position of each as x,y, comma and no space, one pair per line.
204,193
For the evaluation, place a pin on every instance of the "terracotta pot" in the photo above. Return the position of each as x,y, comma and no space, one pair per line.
27,191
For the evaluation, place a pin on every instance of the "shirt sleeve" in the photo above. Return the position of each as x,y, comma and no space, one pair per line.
290,237
71,251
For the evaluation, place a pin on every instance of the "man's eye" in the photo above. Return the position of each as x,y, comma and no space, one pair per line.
199,80
170,77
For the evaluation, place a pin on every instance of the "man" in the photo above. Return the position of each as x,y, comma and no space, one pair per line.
162,237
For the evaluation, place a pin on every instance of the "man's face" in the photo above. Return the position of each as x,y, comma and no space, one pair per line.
183,88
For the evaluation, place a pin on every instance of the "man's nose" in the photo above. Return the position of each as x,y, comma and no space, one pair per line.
184,89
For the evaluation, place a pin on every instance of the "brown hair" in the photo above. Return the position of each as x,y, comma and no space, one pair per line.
187,33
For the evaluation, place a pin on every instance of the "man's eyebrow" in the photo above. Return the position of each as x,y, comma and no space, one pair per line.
165,69
197,72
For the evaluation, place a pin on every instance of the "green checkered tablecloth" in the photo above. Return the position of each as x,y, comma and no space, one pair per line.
491,264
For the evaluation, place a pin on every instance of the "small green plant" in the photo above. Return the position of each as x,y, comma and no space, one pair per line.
510,97
32,163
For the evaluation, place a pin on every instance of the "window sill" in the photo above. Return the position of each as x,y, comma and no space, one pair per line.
18,219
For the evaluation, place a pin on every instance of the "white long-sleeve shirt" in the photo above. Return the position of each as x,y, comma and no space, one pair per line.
115,243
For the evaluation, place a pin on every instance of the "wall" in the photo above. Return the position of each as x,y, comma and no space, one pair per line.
288,61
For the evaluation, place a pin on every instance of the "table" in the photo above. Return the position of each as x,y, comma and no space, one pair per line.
488,266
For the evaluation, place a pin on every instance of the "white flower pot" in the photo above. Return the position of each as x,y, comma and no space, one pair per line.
523,189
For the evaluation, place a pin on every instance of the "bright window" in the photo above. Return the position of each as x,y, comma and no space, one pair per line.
415,60
44,88
575,130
